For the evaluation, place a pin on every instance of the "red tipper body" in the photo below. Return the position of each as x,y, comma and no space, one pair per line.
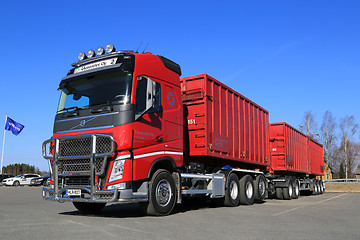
223,125
293,151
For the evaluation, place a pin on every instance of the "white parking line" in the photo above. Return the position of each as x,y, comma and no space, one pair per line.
293,209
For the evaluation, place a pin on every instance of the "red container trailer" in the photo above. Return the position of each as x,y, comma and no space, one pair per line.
128,129
296,160
223,124
289,149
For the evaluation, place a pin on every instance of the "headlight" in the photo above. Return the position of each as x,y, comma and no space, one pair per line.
100,51
90,53
110,48
82,56
117,170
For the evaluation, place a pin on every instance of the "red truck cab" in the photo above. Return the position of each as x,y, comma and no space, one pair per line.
119,119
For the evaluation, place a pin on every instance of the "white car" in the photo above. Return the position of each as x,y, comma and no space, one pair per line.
22,179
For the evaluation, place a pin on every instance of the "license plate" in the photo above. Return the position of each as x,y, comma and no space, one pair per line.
73,192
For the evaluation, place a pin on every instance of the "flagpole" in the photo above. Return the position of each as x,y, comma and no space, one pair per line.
2,155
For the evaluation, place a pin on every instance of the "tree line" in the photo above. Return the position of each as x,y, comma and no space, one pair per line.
341,148
20,168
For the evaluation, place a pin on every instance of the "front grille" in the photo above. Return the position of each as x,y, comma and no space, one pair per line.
81,165
77,181
82,146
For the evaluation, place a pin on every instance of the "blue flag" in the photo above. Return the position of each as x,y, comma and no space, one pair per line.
13,126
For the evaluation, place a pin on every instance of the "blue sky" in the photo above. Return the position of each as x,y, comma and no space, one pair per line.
287,56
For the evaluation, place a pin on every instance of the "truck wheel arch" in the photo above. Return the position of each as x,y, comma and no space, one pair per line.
162,163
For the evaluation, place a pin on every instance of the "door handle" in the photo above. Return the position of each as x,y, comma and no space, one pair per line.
159,139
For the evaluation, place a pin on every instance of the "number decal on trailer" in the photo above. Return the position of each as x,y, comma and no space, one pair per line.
191,121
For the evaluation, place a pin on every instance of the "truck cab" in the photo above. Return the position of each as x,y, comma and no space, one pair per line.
119,120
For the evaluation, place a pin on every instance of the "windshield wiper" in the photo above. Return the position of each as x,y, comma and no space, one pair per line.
73,113
110,107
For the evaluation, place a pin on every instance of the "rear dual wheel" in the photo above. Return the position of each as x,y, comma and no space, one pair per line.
246,190
260,188
296,190
232,192
288,191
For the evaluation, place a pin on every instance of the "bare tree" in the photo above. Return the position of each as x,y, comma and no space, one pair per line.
309,126
328,136
348,128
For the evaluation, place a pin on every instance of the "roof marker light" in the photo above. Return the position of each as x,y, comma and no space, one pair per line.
100,51
82,56
110,48
90,53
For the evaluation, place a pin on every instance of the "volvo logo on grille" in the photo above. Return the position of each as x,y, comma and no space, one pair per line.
82,123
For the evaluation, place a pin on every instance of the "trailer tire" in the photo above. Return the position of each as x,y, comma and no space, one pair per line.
232,192
89,208
246,190
288,191
279,193
260,188
296,190
162,194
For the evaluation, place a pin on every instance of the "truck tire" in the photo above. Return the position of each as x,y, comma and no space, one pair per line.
296,190
246,190
260,188
279,193
316,189
288,191
232,192
89,208
162,194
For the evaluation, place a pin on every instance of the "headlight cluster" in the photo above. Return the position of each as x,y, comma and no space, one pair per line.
99,51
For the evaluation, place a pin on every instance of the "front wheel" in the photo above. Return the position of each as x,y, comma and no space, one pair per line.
89,208
16,183
162,194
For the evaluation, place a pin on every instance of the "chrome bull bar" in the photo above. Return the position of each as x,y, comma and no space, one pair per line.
51,151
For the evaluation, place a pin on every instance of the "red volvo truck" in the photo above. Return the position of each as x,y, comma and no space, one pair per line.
128,129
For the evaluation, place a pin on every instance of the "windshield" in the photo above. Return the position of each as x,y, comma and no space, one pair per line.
20,175
110,88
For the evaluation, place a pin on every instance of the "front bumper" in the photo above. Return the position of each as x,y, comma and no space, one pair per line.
104,196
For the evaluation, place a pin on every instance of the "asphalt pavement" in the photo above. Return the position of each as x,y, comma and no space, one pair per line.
25,215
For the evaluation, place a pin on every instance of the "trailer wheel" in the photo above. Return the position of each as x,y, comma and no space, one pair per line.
279,193
232,193
288,191
296,190
316,187
89,208
246,190
162,194
260,188
322,187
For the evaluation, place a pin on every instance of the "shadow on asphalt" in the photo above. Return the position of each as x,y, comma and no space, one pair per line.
132,210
